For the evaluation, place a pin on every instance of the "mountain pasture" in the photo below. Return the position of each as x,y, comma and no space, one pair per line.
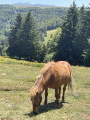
15,104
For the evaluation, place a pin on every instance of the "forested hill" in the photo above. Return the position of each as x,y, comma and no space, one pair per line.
32,5
46,18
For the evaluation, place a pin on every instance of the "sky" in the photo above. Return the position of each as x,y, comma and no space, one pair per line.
65,3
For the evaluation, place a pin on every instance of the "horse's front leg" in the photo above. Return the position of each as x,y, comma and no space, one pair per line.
57,96
46,94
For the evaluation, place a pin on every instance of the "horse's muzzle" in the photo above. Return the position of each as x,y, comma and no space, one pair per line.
35,109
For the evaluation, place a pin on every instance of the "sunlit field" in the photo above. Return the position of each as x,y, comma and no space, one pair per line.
16,77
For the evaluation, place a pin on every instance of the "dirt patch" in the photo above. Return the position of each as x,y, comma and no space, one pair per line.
3,74
87,117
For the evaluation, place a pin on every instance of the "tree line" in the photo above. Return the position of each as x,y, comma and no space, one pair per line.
24,39
41,15
45,18
72,44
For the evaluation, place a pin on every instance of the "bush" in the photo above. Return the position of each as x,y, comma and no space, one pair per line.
87,58
49,57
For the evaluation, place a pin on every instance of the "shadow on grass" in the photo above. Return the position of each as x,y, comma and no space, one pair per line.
46,108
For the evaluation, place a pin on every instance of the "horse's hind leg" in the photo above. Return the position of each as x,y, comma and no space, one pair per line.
46,94
63,97
59,91
57,96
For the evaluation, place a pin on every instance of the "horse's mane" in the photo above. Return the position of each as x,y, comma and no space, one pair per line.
39,79
46,67
43,71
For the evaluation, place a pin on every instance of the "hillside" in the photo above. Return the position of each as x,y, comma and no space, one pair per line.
50,34
46,18
32,5
16,77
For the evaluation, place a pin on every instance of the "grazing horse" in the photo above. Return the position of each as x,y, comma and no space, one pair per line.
52,75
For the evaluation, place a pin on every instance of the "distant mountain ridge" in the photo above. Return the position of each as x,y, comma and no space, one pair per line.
33,5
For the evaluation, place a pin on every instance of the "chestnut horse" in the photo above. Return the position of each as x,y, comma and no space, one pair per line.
52,75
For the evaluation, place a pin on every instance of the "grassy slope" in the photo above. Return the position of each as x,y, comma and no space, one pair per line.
16,78
49,33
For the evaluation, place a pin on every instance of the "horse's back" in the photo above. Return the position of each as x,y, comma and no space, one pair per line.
65,63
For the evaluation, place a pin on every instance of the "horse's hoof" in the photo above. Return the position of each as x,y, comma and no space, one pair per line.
45,103
58,106
35,113
63,101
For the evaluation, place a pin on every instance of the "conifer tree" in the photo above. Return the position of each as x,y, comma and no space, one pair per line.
87,36
65,48
83,33
29,38
13,39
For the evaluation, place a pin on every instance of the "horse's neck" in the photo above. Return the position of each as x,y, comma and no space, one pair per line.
41,82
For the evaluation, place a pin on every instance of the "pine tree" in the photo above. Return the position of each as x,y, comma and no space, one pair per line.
80,36
87,36
13,39
83,33
65,48
29,36
24,39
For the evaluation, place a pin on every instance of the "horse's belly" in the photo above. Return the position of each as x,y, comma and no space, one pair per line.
57,83
54,85
57,79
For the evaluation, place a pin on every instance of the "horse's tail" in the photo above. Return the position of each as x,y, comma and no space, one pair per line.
70,83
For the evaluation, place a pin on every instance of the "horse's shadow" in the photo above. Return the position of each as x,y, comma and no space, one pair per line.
46,108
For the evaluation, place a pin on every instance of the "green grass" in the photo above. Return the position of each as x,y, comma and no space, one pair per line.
50,33
15,104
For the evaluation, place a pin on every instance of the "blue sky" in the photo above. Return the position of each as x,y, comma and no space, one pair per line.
49,2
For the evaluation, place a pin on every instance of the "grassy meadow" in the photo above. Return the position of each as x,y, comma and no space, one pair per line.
16,77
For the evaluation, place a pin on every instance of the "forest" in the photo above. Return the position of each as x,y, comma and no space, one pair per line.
23,32
46,18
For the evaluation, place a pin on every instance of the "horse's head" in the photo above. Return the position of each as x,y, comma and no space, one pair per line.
36,99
